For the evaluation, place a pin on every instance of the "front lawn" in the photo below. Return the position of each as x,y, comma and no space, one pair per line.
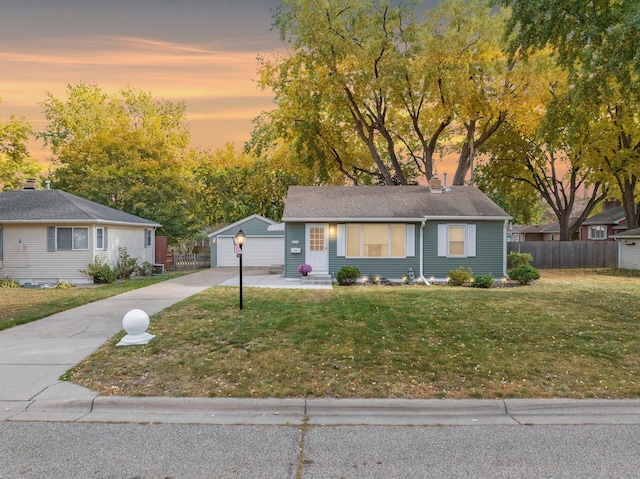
23,305
573,334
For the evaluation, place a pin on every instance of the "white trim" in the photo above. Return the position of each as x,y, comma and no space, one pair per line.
410,241
369,219
90,221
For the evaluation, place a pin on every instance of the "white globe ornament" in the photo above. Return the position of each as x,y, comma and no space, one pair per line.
135,323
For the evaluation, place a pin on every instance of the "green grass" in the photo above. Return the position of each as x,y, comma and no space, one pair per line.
574,334
23,305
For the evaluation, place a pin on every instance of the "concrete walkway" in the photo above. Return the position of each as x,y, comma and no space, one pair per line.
34,356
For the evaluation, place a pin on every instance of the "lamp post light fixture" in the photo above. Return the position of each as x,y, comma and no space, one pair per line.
240,239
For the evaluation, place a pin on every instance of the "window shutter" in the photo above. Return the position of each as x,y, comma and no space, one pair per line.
51,238
442,240
0,241
341,241
470,240
104,238
410,236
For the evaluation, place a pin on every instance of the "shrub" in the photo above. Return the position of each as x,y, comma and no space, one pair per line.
145,269
9,283
483,281
100,271
126,264
64,285
460,276
519,259
525,273
348,275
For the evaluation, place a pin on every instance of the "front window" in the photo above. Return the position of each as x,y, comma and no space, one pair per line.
72,238
376,240
598,232
456,240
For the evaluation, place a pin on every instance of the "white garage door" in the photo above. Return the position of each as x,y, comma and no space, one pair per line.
257,251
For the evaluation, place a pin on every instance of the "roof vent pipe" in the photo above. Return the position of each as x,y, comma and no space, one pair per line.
48,184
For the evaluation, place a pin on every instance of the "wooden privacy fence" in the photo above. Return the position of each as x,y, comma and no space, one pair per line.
183,262
569,254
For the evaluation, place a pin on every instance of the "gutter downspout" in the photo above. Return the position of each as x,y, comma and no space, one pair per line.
424,222
504,254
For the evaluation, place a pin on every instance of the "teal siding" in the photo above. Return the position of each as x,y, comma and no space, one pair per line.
393,268
293,238
213,253
489,257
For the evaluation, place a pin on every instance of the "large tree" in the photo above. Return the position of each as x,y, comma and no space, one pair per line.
368,87
126,150
16,165
597,41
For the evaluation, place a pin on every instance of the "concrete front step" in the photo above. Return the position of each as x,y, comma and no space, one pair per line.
317,279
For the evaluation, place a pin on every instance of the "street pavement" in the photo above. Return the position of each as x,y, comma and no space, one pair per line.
76,430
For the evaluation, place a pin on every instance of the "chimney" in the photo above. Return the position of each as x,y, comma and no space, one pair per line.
435,184
30,184
609,203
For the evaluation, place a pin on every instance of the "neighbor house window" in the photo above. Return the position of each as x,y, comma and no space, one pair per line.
101,238
457,240
147,238
67,238
598,232
376,240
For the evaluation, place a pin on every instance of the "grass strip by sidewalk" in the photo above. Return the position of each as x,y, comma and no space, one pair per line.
23,305
574,334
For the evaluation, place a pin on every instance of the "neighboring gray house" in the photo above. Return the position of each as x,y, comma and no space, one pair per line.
629,249
48,236
394,231
264,245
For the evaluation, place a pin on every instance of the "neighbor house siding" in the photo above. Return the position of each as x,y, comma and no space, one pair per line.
392,268
130,237
293,238
33,263
488,259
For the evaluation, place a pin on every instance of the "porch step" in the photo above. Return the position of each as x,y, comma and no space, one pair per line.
317,279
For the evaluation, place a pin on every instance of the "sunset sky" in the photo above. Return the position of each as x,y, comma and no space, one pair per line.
200,51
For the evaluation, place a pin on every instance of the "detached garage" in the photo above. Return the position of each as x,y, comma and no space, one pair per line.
264,245
629,249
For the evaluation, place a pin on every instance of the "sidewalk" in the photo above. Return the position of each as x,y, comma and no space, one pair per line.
33,357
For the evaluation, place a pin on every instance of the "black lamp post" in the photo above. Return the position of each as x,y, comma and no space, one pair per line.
240,239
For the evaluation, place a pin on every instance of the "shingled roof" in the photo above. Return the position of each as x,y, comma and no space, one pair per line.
373,203
57,206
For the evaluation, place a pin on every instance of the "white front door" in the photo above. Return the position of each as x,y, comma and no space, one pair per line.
317,247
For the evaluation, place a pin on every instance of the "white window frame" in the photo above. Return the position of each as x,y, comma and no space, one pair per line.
100,245
73,238
469,240
147,238
597,228
0,242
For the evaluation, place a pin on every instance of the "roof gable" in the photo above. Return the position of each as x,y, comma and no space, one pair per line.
57,206
255,217
378,203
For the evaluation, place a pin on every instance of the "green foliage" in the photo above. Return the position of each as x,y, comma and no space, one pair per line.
482,281
524,273
126,150
144,269
347,275
516,259
15,163
460,276
378,93
126,265
9,283
100,271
